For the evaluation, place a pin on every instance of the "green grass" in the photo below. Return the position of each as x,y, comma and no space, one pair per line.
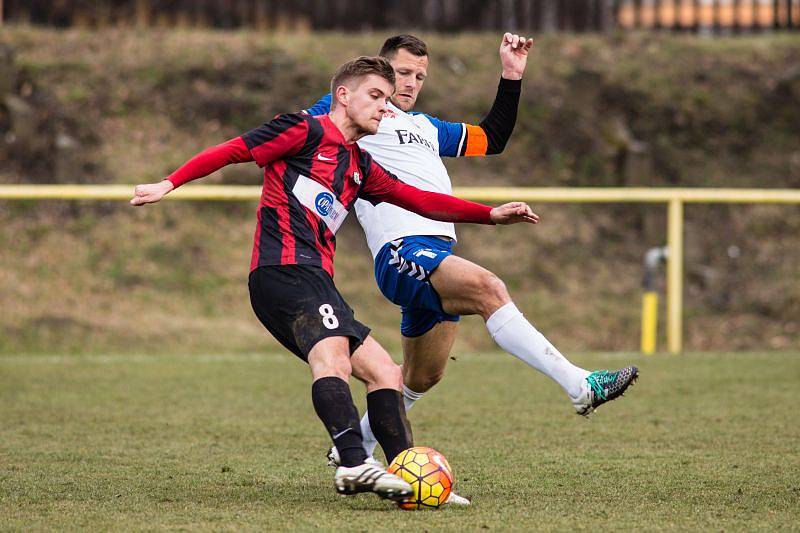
231,442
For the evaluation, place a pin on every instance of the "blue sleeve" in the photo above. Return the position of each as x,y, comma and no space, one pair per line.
451,136
322,107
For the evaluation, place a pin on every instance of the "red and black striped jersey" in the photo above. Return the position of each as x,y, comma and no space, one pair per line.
312,178
311,181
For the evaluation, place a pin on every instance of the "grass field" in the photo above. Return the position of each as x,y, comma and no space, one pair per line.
231,442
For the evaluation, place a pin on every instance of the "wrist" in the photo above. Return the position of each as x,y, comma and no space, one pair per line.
492,212
168,184
511,75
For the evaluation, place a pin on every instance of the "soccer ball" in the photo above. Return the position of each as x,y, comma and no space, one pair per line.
429,474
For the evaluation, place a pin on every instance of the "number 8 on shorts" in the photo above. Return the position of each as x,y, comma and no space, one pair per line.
329,320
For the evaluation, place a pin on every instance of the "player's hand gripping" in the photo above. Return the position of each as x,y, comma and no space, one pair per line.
513,213
150,193
514,55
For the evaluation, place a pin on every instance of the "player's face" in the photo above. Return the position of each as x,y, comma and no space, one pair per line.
410,72
367,103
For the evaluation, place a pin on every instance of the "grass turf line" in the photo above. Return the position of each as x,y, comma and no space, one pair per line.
231,442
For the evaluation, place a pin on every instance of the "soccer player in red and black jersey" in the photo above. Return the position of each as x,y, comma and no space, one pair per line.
313,173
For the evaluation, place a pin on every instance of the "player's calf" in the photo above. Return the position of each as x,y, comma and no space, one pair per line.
425,358
387,423
387,419
334,406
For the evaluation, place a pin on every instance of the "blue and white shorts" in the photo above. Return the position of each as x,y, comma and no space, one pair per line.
402,270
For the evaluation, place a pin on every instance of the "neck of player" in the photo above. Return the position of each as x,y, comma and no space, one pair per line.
350,130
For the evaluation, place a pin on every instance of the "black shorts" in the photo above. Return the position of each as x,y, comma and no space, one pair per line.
300,306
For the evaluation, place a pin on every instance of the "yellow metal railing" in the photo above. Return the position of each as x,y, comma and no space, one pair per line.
674,198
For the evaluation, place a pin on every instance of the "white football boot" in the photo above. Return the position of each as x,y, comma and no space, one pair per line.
455,499
368,477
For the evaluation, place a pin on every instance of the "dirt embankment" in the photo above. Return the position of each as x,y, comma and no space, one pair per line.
124,107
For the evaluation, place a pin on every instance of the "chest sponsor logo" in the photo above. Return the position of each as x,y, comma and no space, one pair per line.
316,197
324,203
407,137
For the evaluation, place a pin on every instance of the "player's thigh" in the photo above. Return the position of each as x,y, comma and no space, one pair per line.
373,365
425,357
466,288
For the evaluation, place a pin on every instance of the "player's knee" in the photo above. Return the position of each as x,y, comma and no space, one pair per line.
428,381
493,292
396,376
420,378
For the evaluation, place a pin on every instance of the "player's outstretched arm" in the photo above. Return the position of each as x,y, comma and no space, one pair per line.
448,208
268,142
383,186
208,161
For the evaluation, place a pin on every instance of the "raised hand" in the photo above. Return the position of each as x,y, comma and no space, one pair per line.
150,193
512,213
514,55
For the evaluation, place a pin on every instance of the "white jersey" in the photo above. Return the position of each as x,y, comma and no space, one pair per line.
410,146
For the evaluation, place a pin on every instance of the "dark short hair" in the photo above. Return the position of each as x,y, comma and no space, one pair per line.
359,67
411,44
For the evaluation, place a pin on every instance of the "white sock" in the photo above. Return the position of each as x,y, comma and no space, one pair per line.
410,397
369,440
517,336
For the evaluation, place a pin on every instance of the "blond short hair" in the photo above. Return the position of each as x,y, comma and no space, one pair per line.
358,68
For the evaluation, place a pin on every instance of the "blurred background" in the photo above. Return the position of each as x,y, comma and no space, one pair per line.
699,93
720,16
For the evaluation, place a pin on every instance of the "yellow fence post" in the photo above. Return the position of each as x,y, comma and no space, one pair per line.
649,322
675,276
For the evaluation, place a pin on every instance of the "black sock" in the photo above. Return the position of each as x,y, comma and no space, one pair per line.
334,406
387,419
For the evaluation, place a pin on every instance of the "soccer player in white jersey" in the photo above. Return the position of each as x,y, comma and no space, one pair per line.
414,263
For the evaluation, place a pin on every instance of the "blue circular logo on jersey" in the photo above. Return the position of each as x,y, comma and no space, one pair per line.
324,203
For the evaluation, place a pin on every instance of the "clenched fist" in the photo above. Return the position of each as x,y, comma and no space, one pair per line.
150,193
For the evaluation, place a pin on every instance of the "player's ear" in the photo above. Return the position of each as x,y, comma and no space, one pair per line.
342,94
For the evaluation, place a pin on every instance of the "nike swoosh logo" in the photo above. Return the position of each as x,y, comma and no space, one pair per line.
341,433
323,158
